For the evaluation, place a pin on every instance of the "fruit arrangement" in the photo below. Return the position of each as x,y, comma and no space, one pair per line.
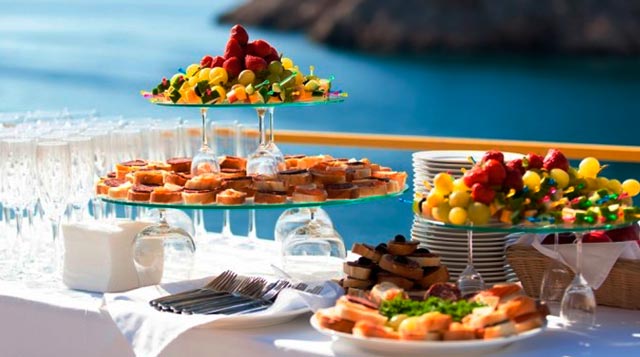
247,72
530,190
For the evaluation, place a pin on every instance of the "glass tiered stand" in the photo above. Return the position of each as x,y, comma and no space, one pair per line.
266,160
578,304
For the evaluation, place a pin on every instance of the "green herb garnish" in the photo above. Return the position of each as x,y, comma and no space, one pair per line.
457,309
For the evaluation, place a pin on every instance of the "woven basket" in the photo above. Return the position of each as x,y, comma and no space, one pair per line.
620,289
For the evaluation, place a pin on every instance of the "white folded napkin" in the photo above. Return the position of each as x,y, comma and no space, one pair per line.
99,255
597,258
149,331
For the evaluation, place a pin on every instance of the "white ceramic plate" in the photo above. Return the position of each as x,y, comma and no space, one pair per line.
439,348
448,156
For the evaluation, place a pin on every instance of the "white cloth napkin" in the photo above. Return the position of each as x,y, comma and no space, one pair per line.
597,258
149,331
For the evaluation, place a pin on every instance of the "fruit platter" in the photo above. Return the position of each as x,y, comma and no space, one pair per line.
441,321
530,193
248,73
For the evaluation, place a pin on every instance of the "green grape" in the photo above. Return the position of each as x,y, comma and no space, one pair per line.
443,182
459,199
589,167
615,186
246,77
631,187
561,177
458,215
275,67
479,213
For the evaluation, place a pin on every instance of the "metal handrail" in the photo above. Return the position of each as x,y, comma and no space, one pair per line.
621,153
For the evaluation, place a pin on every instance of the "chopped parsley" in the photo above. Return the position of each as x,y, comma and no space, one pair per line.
457,309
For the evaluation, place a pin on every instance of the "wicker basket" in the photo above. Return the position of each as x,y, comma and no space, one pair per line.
620,289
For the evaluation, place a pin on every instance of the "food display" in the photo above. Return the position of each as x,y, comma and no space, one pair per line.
305,179
530,190
398,261
440,315
246,72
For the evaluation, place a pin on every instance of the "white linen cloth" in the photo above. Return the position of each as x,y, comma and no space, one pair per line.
99,255
149,331
597,258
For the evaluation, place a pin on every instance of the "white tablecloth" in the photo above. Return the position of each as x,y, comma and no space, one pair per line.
37,320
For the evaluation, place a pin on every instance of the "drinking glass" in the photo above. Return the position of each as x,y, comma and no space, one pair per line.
294,218
470,281
164,140
555,280
126,144
102,162
313,251
17,187
262,162
53,163
82,160
204,161
248,141
163,253
190,143
578,306
225,142
271,143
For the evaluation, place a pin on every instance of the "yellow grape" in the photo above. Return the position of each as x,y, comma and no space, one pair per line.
602,181
218,75
615,186
479,213
286,62
631,187
443,182
561,177
203,75
459,199
458,185
458,215
434,198
441,212
531,180
192,69
589,167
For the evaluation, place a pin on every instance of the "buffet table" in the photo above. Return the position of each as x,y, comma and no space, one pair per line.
40,319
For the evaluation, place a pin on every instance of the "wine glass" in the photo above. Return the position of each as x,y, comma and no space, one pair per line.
555,280
470,281
81,150
53,164
163,253
225,141
164,140
271,143
102,162
313,251
205,160
262,162
578,306
248,141
294,218
126,144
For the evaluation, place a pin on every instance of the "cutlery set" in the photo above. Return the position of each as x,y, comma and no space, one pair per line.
230,295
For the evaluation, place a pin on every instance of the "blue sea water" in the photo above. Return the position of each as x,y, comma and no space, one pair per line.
100,54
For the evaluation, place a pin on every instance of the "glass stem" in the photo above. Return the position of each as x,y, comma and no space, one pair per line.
18,213
252,231
226,223
556,241
203,115
470,243
271,125
579,254
263,135
128,212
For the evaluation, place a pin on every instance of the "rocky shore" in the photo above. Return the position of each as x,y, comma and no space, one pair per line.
418,26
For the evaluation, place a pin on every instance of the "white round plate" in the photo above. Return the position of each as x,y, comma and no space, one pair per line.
439,348
447,156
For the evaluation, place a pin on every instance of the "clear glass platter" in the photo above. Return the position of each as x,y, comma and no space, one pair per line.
531,227
319,101
249,204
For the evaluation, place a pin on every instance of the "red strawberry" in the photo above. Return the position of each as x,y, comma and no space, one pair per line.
240,34
233,49
482,193
496,172
493,155
535,161
272,56
555,160
513,180
217,61
256,64
233,66
260,48
206,61
475,175
516,164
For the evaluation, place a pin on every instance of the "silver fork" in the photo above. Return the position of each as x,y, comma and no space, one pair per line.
257,308
265,300
221,283
250,287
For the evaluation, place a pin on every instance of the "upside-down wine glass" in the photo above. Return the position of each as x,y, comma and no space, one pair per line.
470,281
578,307
271,143
53,163
555,280
225,140
248,141
205,160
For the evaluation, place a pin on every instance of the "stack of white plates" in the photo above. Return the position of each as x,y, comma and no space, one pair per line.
449,243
